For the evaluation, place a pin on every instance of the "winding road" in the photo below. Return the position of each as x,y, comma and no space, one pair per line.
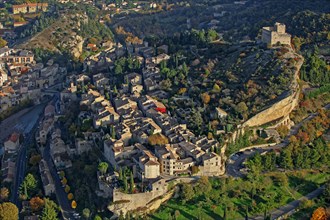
292,206
236,163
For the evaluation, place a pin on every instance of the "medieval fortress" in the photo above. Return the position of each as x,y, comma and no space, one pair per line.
276,34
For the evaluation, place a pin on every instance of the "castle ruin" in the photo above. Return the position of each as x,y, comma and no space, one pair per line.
276,34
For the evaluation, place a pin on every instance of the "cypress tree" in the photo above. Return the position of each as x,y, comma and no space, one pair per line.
125,183
131,182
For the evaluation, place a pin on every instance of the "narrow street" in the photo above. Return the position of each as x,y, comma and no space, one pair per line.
61,195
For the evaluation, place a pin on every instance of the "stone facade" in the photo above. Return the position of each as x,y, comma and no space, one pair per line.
123,202
21,57
29,8
276,34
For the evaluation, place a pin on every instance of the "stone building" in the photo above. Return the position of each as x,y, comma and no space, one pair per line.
12,144
46,178
29,8
276,34
17,56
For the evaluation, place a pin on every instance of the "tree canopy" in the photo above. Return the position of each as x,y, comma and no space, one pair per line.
8,211
50,211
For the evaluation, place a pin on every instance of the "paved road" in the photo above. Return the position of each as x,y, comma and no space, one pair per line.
21,122
235,164
233,169
26,124
292,206
61,195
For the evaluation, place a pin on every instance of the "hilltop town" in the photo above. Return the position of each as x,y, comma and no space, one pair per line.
105,121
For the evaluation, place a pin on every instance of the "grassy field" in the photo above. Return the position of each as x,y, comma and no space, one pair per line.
273,195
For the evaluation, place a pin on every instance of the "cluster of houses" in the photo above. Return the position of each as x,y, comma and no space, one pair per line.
18,18
133,114
9,157
21,78
126,6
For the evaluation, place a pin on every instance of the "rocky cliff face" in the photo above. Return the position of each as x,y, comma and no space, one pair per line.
140,204
283,107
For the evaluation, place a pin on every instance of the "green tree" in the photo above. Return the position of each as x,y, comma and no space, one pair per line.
298,159
113,132
225,213
8,211
195,121
212,35
297,42
67,189
185,69
35,159
29,184
282,130
187,192
130,63
50,210
246,213
242,109
136,64
97,217
177,214
118,69
132,184
103,167
203,183
125,183
286,159
86,213
268,164
216,88
120,174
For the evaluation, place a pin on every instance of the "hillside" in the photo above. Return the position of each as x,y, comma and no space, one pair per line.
68,32
241,79
63,34
236,21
